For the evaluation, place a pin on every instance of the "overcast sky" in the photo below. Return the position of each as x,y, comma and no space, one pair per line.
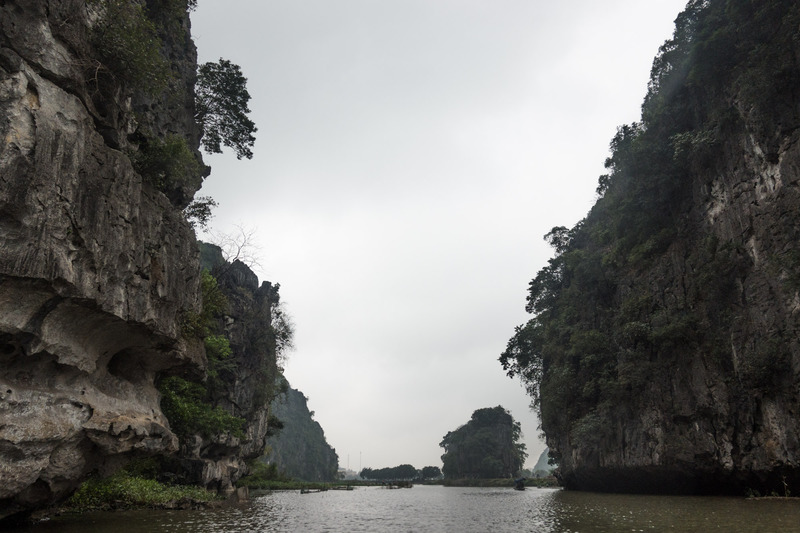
410,156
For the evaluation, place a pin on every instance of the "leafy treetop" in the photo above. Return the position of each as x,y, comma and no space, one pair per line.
221,108
485,447
394,473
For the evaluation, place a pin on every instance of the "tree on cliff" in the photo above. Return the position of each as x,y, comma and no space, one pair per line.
221,108
661,278
127,47
485,447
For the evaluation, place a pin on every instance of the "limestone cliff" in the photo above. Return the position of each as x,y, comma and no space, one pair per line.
242,384
664,352
96,263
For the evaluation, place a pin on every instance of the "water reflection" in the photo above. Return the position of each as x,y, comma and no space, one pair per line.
591,513
441,509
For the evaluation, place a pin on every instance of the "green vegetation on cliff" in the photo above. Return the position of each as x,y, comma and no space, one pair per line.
649,282
126,491
190,406
485,447
128,46
129,40
244,334
165,163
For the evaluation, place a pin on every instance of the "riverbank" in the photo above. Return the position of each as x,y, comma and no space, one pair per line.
438,508
265,485
126,491
540,482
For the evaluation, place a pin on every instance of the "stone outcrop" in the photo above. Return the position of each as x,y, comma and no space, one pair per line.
96,265
245,386
724,419
300,449
665,349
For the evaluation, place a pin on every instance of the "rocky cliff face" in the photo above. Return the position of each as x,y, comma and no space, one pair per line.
720,410
244,386
665,349
300,449
96,265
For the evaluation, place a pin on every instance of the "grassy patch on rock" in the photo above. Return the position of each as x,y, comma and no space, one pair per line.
126,491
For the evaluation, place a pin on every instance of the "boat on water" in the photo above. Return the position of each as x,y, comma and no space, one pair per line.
311,491
397,485
519,484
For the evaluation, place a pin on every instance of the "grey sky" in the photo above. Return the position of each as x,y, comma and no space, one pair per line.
410,157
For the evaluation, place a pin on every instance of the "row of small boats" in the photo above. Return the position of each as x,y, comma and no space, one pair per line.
325,489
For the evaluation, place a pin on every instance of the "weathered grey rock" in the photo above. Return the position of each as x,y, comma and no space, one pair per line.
664,350
219,461
95,269
710,426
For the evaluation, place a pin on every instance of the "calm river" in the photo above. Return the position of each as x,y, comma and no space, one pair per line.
433,508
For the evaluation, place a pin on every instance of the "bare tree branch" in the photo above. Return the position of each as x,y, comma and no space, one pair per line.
239,245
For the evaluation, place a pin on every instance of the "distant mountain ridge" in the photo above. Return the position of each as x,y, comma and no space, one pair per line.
300,449
542,463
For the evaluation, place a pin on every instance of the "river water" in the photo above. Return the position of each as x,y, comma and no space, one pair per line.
451,509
